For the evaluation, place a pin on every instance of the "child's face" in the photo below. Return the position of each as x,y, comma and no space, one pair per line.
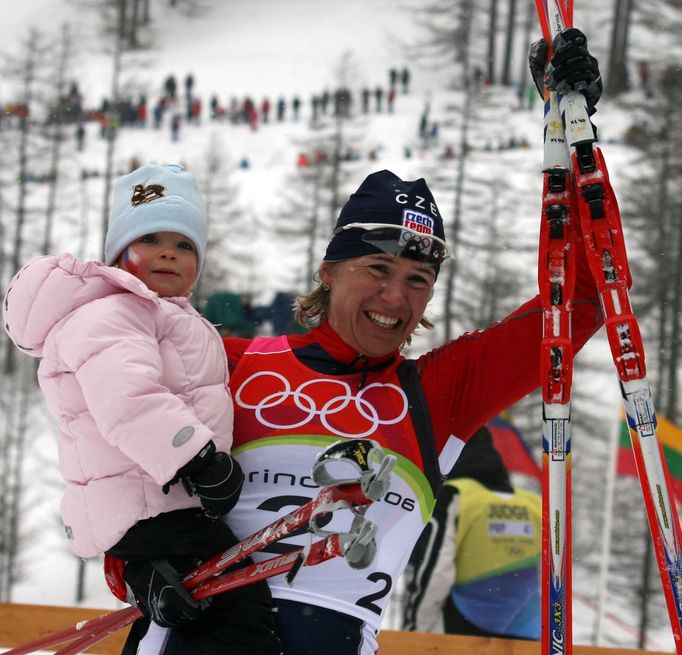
165,261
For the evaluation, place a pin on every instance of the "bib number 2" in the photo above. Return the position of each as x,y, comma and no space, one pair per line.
386,583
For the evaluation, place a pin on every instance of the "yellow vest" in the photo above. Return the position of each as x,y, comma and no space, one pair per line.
495,534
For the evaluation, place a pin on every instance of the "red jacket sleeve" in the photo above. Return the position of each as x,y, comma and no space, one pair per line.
235,348
470,380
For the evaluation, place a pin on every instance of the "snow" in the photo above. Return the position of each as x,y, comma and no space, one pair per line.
276,47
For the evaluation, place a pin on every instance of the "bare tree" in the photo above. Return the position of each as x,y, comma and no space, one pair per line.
652,208
35,135
492,34
55,130
25,70
316,191
449,34
619,47
118,43
524,74
509,43
19,399
464,27
28,72
341,141
133,18
304,223
312,198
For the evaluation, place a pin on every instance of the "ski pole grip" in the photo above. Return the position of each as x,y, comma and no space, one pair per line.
354,461
359,545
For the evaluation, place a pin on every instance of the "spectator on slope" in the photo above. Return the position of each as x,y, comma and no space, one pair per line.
378,97
645,77
141,112
448,152
248,110
189,85
265,110
303,160
324,101
434,132
252,118
162,416
281,109
235,110
159,110
390,99
170,87
405,80
80,137
314,108
477,79
365,100
196,110
424,126
295,107
175,123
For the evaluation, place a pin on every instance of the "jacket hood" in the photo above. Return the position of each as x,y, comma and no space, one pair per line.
49,288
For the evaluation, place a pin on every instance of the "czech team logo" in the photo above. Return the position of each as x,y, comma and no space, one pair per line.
418,222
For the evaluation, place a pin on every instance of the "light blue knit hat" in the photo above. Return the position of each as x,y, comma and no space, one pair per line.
156,198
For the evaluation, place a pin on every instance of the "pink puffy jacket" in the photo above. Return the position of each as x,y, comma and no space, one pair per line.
138,383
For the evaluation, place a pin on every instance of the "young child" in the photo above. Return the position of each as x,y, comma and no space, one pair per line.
138,382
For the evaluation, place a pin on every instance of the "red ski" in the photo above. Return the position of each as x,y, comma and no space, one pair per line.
570,149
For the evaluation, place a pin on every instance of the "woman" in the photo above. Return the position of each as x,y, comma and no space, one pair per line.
295,395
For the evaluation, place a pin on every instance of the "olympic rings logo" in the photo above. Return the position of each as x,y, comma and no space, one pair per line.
358,405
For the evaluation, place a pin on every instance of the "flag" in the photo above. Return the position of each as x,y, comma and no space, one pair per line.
511,445
670,437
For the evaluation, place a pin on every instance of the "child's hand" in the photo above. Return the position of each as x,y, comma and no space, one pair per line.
160,595
218,485
213,476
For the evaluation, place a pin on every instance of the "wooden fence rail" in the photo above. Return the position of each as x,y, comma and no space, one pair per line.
20,624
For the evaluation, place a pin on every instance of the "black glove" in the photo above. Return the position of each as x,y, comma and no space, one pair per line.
213,476
159,593
572,67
